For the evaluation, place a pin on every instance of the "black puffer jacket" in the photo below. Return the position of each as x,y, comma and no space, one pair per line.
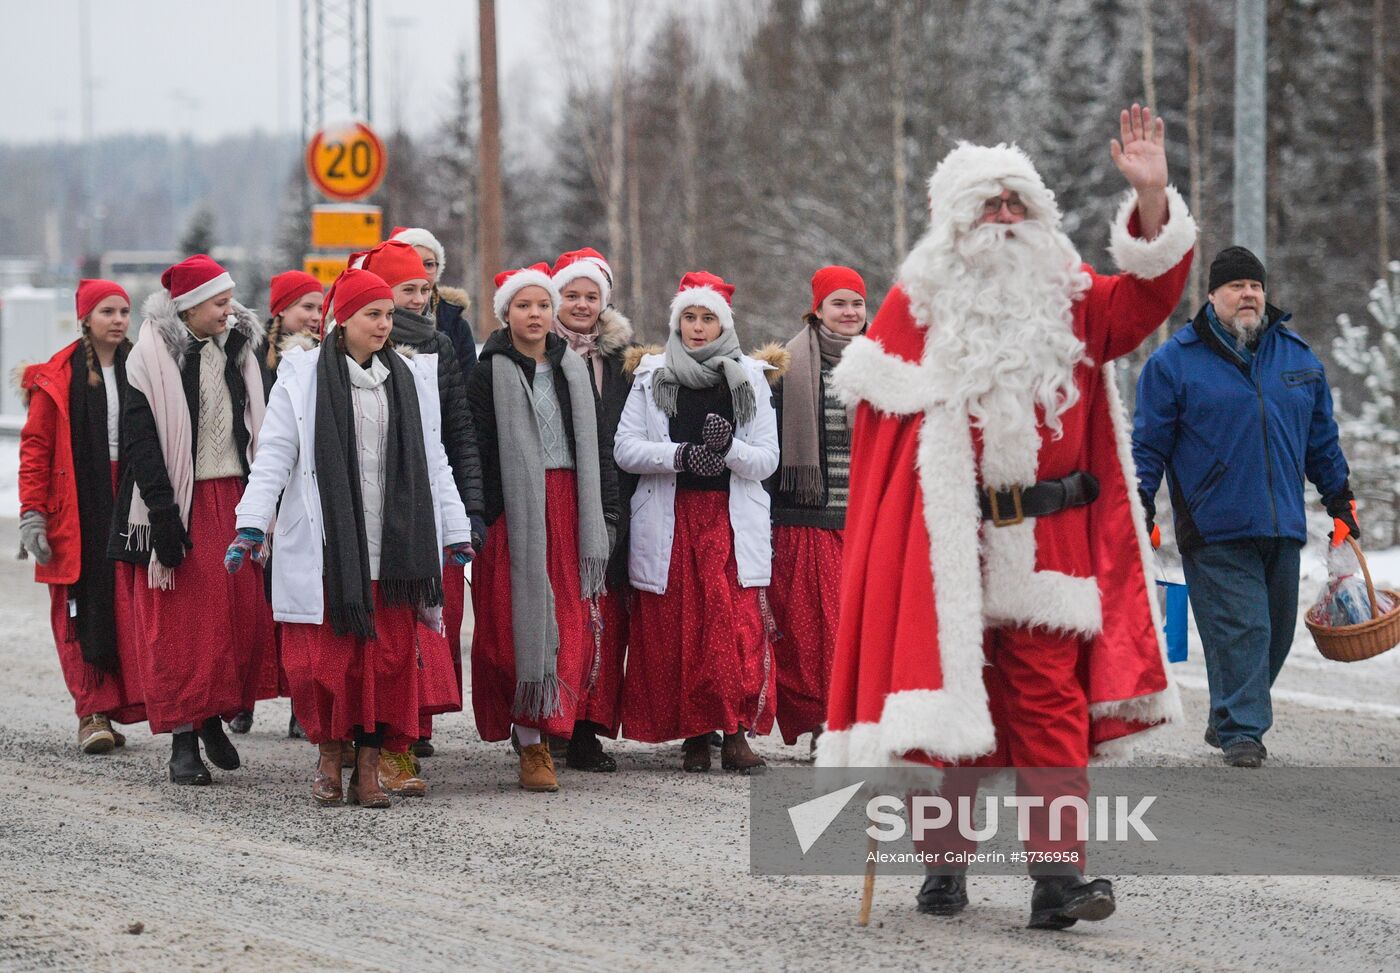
416,333
498,352
449,307
615,338
142,460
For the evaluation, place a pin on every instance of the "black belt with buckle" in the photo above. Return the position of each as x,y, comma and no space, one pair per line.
1005,508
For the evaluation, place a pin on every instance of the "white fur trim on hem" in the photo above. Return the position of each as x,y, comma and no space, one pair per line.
202,293
517,282
706,297
890,384
1014,592
1147,259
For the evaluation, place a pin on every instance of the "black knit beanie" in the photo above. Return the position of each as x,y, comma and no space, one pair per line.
1234,263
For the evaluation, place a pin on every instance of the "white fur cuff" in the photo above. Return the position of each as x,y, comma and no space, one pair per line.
893,385
1147,259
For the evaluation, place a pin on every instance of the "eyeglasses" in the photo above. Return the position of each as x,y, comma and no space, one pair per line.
1013,205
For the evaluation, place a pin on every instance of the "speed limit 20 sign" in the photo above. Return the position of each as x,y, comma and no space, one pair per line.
346,162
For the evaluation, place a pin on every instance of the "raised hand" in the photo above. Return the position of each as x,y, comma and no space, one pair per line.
1141,157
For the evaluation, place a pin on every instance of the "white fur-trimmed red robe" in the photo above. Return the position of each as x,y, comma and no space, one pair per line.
923,580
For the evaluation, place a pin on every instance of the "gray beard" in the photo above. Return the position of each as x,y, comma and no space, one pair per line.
1245,334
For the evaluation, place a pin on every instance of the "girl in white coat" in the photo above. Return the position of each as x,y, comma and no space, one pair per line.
370,507
699,428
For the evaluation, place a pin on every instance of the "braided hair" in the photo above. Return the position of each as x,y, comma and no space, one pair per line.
94,367
274,334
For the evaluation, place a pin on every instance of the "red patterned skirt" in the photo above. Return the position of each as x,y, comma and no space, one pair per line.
805,597
206,646
698,657
493,640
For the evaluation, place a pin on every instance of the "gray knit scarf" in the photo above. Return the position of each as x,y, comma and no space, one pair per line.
804,410
533,623
702,368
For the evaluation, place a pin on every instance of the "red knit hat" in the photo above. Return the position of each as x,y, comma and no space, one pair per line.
396,262
194,280
511,282
351,291
835,278
91,293
700,288
287,288
588,264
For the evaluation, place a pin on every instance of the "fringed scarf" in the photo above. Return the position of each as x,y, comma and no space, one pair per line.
533,625
803,408
703,368
410,564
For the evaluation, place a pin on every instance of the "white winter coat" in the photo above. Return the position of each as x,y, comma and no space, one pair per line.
643,445
285,466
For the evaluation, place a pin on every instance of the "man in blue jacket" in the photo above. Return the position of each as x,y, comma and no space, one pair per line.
1236,410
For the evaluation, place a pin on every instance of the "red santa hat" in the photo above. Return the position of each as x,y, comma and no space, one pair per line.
396,262
834,278
700,288
416,236
194,280
511,282
351,291
91,292
588,264
287,288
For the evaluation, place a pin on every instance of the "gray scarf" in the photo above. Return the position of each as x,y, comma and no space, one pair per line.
412,329
804,411
533,623
701,368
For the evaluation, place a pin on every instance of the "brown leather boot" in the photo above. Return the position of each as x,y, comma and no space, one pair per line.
537,768
347,754
696,754
736,755
328,787
95,734
364,782
398,776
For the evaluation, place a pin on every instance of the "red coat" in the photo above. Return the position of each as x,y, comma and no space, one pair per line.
923,579
46,480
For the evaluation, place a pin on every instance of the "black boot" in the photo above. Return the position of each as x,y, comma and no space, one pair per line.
241,723
294,730
422,748
217,747
185,765
943,895
1059,901
585,752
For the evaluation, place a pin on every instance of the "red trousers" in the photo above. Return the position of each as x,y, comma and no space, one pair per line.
699,658
1042,721
339,682
805,597
206,646
493,638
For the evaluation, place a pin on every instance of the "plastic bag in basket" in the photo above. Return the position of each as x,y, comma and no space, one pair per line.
1344,600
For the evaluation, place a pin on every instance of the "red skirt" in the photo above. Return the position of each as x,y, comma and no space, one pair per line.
805,598
442,690
493,641
204,645
339,682
602,701
698,658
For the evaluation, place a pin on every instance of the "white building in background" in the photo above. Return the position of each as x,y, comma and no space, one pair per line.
35,322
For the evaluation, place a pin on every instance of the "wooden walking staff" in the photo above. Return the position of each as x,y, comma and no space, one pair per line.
869,894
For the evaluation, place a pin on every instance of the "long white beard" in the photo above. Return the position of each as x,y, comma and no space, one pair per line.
998,300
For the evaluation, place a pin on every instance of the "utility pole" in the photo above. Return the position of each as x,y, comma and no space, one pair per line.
489,179
91,213
1251,27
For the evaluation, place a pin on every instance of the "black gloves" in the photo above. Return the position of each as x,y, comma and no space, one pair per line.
169,537
1342,506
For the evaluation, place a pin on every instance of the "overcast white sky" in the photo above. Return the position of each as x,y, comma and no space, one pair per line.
213,67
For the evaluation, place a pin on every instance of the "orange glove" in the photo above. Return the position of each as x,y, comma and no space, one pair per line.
1156,536
1341,529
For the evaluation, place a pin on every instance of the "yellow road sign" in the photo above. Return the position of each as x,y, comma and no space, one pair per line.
324,269
345,227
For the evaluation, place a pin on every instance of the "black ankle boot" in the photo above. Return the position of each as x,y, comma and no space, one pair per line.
585,752
294,730
943,895
1059,901
185,765
241,723
217,747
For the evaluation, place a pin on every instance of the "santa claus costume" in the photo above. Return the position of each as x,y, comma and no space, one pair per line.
368,505
551,513
809,501
189,432
996,604
69,461
598,333
700,431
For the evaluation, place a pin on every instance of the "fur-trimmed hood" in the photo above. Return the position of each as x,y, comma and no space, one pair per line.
773,357
614,331
455,295
159,312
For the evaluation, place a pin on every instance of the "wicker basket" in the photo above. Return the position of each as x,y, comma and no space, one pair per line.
1352,643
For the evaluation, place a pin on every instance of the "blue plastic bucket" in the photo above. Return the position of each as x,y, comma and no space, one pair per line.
1175,612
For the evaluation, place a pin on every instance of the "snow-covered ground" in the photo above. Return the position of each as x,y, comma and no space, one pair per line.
1309,679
